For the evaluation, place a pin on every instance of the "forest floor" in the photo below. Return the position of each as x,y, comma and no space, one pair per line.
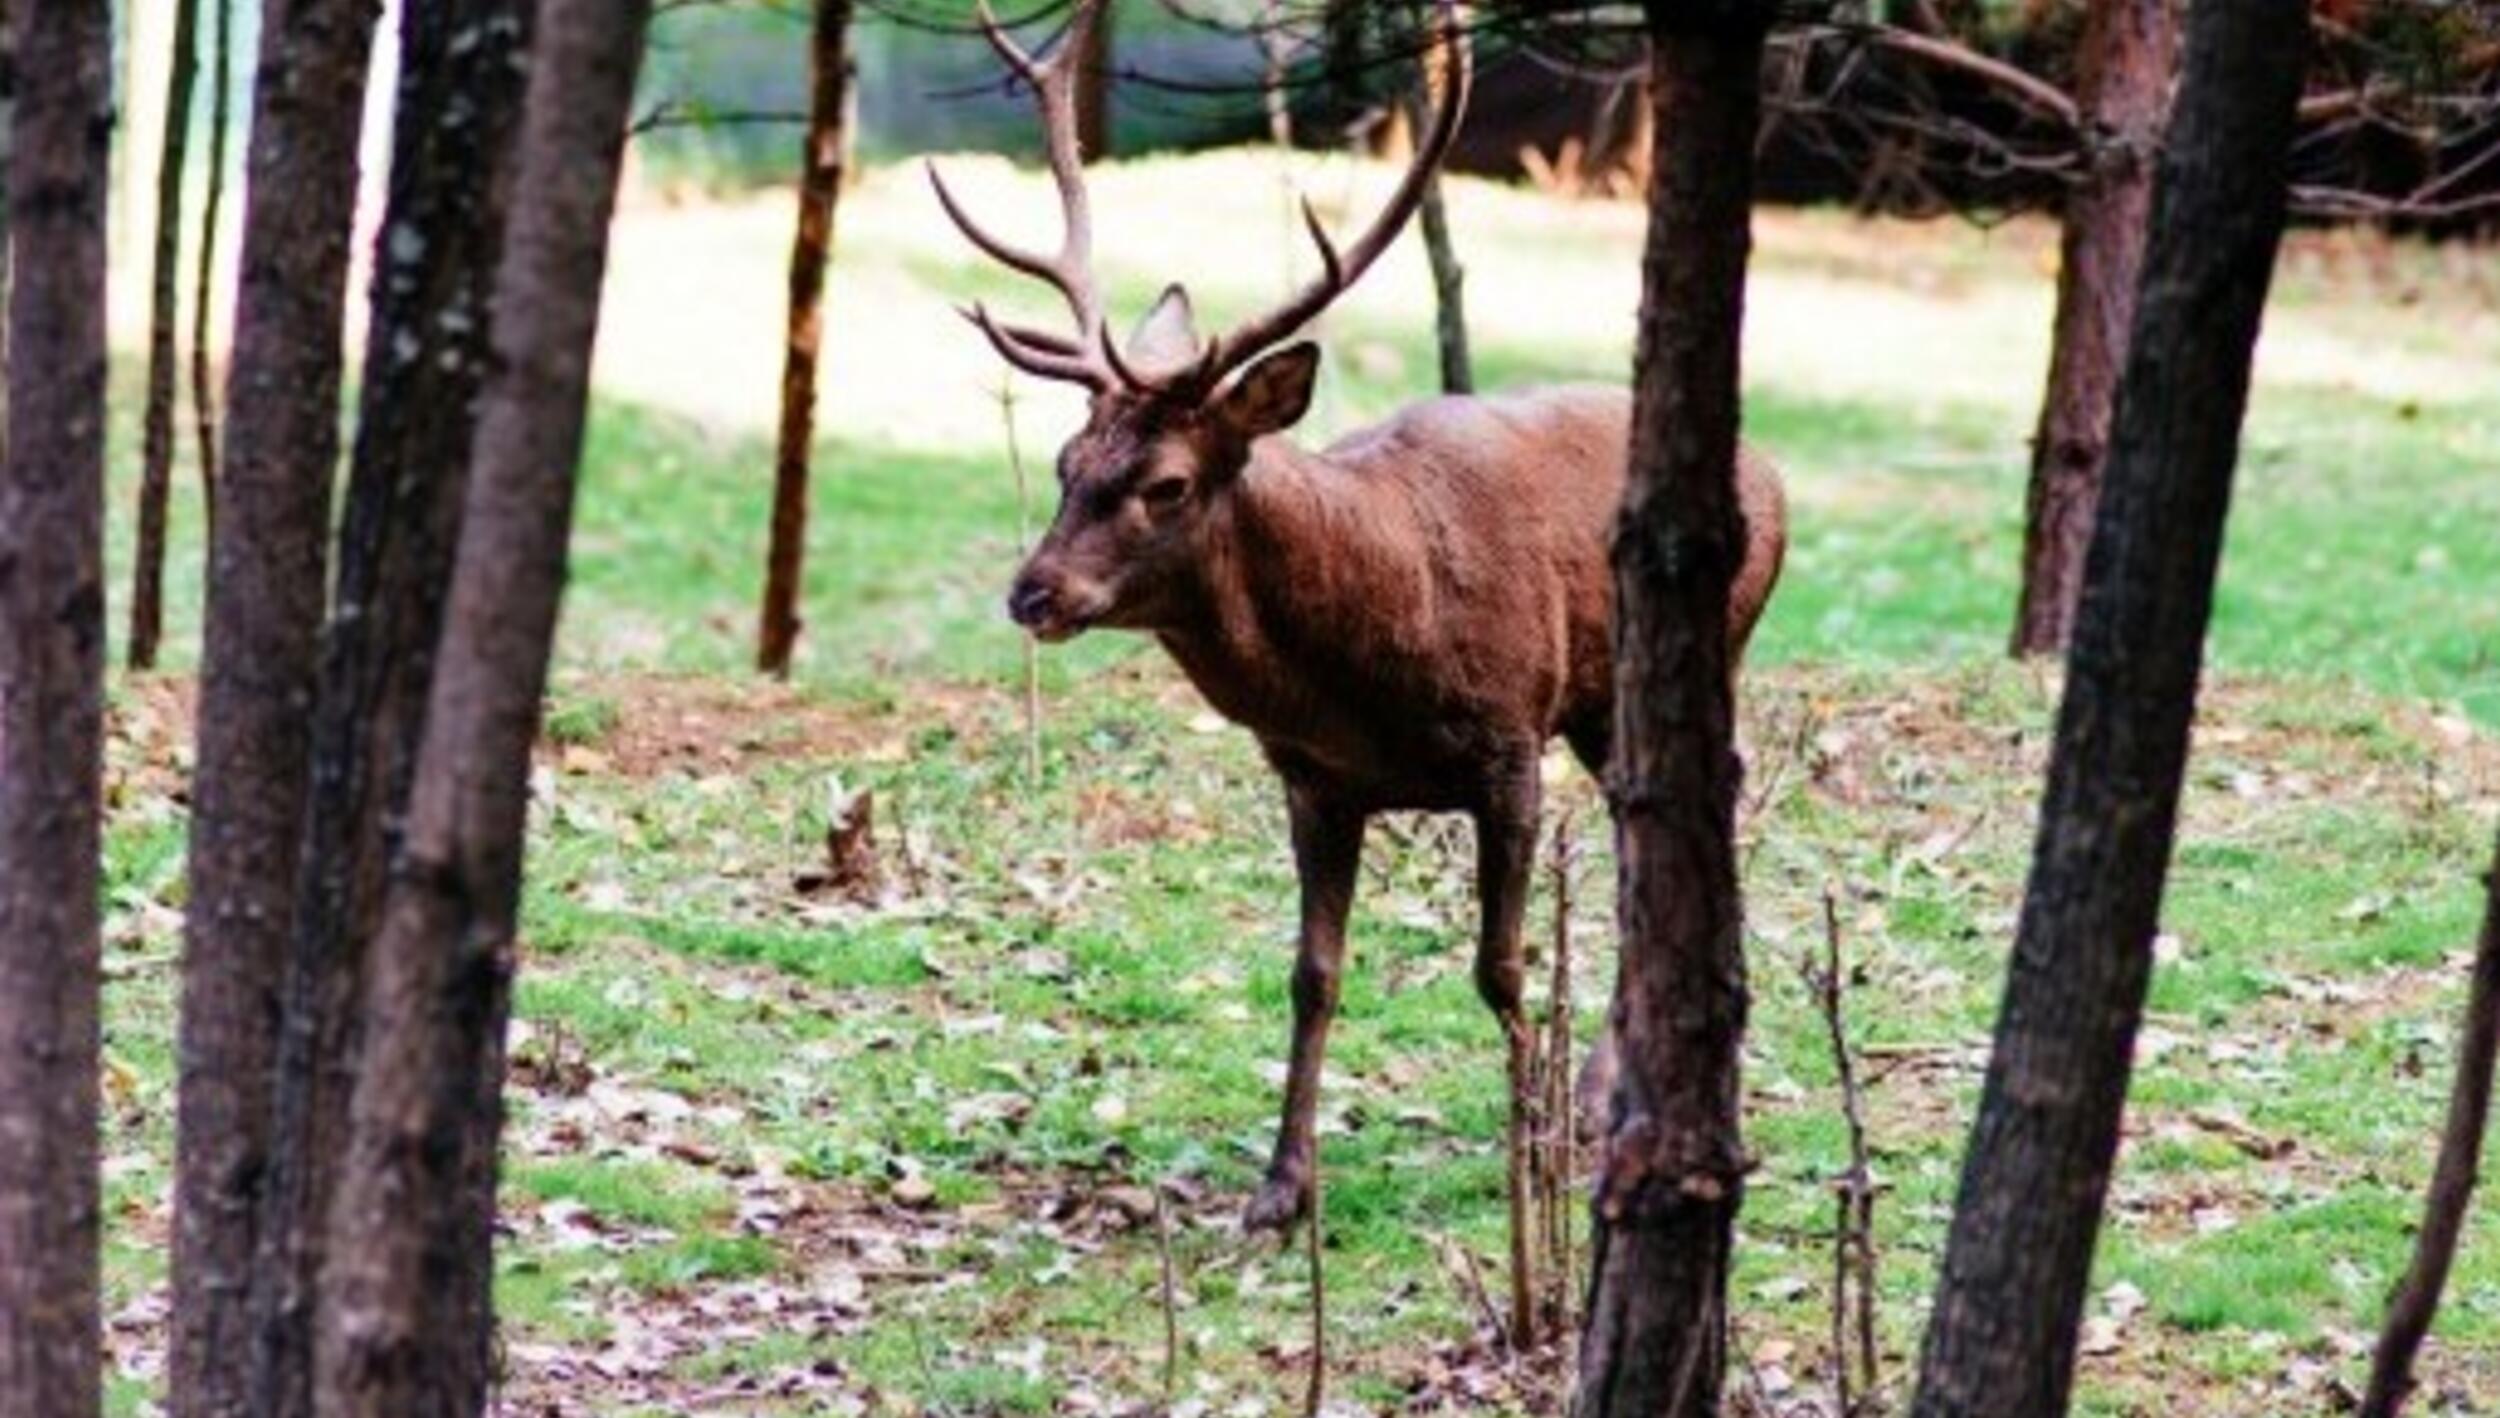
779,1145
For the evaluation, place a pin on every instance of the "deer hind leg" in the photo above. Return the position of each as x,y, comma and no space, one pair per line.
1327,853
1506,838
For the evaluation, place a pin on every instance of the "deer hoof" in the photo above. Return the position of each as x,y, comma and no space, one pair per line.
1280,1204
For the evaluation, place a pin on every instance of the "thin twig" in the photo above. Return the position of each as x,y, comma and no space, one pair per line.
1171,1308
1751,817
1473,1275
1853,1241
2037,94
1521,1042
1024,541
2416,1301
203,302
1780,766
1318,1391
1561,1122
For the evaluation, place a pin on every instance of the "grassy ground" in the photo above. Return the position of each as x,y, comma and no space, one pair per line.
776,1150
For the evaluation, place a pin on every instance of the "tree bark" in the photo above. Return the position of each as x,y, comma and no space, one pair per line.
2010,1293
2124,63
156,459
2416,1302
52,712
1093,89
427,352
203,296
8,133
265,594
389,1344
820,185
1670,1174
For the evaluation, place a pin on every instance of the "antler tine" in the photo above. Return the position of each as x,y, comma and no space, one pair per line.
1332,266
1016,57
1050,358
1014,257
1199,374
1339,271
1042,340
1125,372
1055,88
1071,270
1196,376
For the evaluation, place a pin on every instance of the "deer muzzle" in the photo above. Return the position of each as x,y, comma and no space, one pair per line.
1052,610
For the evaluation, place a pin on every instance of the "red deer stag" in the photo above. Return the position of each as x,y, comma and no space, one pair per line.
1403,619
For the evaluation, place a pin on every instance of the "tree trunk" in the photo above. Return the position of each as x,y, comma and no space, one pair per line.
1093,89
52,712
390,1344
8,131
2416,1302
2124,63
1449,278
156,460
1275,50
265,593
1670,1175
820,183
203,300
426,355
2010,1294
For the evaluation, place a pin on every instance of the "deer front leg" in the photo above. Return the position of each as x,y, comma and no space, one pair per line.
1506,835
1327,853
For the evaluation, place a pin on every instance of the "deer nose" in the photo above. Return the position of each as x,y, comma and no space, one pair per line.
1029,603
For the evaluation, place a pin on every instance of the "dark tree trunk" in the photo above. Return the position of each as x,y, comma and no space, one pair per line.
8,132
265,593
1670,1175
820,184
52,712
2010,1294
203,302
2416,1301
427,351
2124,63
1093,90
402,1230
156,457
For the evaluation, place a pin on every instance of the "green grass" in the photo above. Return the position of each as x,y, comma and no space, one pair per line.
1081,983
2356,548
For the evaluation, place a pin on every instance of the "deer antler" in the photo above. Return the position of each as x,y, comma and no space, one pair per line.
1338,272
1092,358
1071,269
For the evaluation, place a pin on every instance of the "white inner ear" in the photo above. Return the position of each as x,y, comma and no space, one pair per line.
1168,337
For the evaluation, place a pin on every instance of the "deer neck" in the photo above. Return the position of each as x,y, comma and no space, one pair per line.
1304,571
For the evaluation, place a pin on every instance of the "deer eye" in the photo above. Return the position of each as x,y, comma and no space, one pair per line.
1163,492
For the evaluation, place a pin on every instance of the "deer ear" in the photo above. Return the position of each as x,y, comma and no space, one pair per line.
1168,337
1271,395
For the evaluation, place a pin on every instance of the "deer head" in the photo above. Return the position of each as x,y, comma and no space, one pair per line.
1173,414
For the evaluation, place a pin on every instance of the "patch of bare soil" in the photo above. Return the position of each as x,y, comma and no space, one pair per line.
678,724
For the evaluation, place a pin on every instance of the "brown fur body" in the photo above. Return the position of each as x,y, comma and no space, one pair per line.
1432,594
1404,620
